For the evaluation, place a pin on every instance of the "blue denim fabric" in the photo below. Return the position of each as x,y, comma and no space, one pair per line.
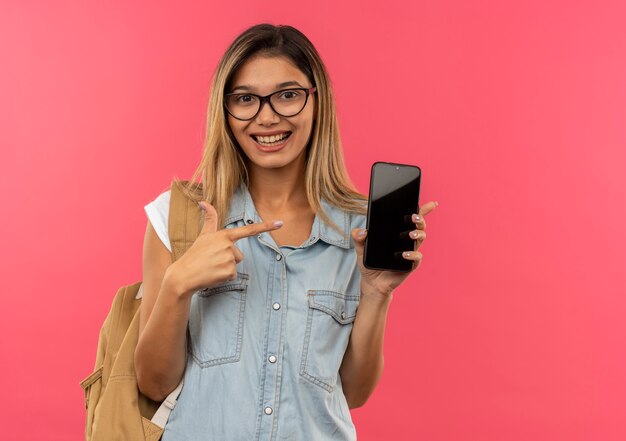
265,349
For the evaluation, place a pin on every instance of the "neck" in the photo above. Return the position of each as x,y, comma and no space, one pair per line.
279,187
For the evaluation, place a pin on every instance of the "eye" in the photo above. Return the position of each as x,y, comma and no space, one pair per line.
244,99
289,95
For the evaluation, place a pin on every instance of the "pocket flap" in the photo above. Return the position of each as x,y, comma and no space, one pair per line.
342,307
91,379
239,284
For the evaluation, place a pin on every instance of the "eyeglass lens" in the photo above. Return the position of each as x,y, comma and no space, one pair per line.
287,102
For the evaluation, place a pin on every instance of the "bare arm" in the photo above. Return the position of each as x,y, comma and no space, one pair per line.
160,354
362,364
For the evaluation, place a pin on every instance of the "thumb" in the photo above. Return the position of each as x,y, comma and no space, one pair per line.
359,235
210,217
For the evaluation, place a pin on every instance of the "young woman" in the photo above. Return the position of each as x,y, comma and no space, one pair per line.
270,315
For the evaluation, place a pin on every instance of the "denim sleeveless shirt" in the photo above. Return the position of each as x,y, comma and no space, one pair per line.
265,349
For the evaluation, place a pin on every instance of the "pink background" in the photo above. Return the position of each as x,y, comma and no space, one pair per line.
512,329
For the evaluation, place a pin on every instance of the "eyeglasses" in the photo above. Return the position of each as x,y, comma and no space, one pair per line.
286,102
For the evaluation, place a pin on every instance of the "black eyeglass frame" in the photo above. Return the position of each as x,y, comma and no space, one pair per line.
266,98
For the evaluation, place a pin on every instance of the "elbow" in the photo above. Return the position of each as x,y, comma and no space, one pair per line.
358,393
358,398
151,389
155,388
149,383
355,404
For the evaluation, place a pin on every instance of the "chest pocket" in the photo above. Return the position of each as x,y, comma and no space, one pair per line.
329,323
216,321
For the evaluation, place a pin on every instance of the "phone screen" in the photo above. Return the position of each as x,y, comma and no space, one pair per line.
393,198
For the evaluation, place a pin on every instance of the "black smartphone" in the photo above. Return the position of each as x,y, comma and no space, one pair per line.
393,198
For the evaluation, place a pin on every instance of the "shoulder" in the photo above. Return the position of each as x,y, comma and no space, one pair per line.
161,200
158,214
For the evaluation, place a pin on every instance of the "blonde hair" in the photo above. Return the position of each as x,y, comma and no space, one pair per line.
223,167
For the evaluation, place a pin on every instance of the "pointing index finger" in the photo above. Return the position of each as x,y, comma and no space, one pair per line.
253,229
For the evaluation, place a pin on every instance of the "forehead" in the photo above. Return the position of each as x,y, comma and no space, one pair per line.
263,73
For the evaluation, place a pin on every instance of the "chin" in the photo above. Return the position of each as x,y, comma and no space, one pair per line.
271,163
276,160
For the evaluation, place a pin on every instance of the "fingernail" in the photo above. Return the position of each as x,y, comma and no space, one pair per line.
406,254
413,234
278,223
436,204
361,232
416,218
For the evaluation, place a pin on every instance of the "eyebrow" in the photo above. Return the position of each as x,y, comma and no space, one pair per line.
248,88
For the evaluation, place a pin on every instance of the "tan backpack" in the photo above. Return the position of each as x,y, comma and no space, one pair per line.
116,410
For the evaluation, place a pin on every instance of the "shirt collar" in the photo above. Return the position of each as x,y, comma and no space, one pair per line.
340,235
242,208
237,210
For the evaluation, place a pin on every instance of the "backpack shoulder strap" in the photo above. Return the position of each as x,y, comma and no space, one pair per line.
185,220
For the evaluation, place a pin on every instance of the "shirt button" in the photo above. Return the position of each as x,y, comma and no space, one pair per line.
343,315
276,306
278,257
250,221
268,411
272,359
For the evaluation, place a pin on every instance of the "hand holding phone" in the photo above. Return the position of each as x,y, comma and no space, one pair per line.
393,198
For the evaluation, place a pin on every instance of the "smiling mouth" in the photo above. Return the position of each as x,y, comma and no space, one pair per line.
272,140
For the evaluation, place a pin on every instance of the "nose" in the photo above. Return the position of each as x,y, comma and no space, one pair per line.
266,115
